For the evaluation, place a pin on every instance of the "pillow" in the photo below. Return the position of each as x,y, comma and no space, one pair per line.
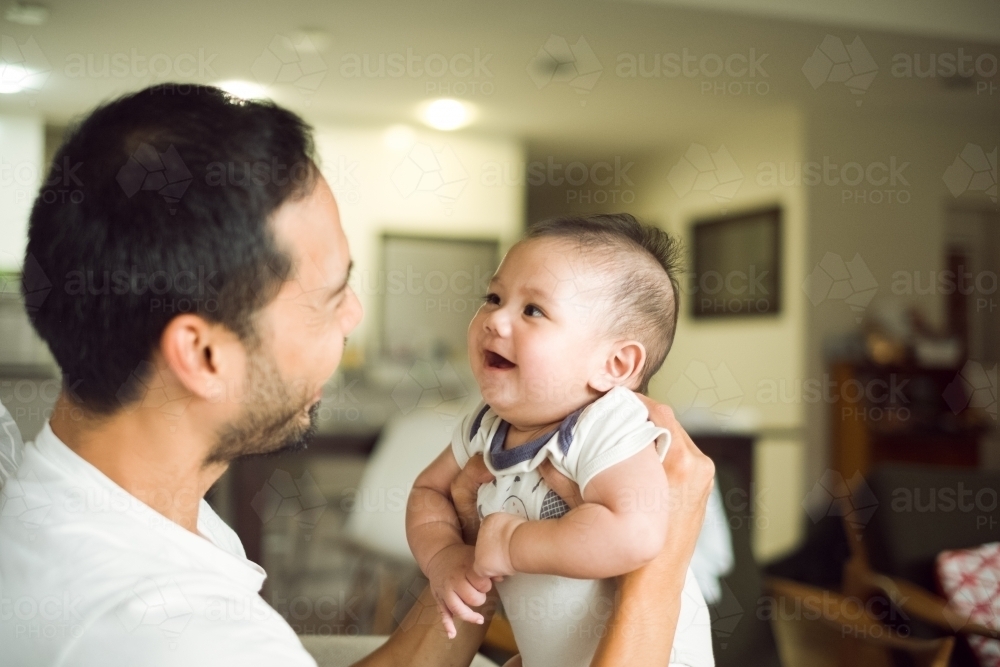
407,445
970,581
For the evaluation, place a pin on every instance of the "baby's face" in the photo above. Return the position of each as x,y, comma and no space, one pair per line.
540,336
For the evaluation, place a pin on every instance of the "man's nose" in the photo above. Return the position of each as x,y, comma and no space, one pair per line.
356,311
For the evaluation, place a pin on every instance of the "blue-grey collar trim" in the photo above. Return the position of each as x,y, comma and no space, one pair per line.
477,422
506,458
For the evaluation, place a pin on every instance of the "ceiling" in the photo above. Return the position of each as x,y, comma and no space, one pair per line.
959,19
536,80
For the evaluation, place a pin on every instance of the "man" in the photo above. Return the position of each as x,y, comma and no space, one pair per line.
199,302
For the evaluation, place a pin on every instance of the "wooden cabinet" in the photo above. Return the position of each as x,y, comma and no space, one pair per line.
881,414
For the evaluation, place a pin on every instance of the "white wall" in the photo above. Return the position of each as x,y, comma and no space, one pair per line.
893,220
744,354
424,183
892,237
22,145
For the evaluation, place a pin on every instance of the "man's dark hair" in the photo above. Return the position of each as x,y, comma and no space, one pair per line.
174,188
646,260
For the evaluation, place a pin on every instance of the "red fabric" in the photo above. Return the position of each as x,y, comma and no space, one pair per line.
970,581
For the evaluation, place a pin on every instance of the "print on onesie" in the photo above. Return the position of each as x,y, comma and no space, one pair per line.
553,506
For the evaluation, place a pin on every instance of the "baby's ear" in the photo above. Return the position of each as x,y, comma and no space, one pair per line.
623,367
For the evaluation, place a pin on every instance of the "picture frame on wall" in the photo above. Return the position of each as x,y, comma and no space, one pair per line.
737,265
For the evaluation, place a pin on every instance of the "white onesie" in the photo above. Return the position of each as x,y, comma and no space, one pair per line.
558,621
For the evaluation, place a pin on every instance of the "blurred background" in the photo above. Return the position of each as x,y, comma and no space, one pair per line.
830,167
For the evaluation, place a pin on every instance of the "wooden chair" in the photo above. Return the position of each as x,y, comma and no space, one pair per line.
893,554
861,639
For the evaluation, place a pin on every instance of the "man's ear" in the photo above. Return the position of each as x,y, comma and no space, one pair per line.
623,367
204,357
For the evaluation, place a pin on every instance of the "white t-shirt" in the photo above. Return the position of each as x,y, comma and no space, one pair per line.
89,575
559,620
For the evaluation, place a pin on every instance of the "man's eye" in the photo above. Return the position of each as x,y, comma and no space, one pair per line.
533,311
492,298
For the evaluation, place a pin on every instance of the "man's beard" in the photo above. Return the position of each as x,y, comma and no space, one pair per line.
271,419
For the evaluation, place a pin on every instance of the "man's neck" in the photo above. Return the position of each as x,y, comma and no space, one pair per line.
160,462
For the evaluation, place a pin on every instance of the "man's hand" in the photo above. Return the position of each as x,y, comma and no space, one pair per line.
493,545
456,587
465,493
641,630
690,473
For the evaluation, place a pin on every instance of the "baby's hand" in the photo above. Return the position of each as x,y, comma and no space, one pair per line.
493,545
456,587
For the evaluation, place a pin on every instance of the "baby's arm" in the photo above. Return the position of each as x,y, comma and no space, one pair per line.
621,526
434,534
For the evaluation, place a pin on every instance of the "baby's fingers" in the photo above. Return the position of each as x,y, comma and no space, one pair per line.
447,620
462,610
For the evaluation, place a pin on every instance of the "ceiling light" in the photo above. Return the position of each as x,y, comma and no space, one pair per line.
399,137
246,90
14,78
447,114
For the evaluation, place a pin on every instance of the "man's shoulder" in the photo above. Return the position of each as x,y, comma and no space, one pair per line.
160,620
88,574
91,575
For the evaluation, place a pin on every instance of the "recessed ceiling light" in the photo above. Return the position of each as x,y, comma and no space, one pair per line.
14,79
246,90
447,114
27,13
399,137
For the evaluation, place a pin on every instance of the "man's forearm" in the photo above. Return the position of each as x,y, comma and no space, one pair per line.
420,640
648,605
641,631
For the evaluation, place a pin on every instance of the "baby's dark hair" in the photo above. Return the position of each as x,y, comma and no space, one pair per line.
646,298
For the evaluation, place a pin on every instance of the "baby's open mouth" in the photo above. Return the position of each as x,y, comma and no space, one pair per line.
494,360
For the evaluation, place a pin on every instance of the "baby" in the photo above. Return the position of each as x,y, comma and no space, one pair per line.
580,314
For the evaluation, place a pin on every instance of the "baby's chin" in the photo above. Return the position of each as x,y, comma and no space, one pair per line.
505,400
497,396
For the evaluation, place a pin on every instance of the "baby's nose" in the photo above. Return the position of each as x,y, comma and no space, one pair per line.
498,323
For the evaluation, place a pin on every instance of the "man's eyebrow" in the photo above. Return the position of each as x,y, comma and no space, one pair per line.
343,285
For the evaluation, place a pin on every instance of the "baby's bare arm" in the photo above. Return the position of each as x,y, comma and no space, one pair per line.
431,521
620,527
434,533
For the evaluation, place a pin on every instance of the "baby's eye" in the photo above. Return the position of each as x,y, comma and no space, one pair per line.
492,298
533,311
